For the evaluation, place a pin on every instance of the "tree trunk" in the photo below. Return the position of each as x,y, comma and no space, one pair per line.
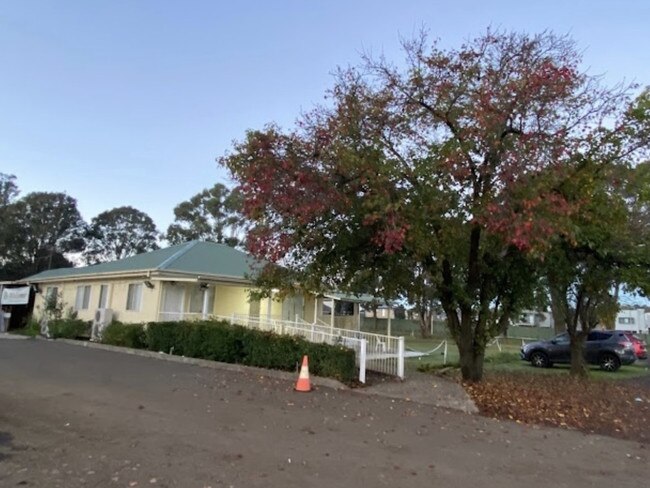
425,320
471,351
471,360
558,310
578,363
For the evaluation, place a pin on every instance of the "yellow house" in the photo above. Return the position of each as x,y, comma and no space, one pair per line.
188,281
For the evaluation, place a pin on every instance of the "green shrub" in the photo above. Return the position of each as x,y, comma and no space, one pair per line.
165,337
69,329
331,361
125,335
218,341
221,341
32,329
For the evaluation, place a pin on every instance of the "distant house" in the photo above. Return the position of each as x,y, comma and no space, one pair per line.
381,312
634,319
188,281
533,318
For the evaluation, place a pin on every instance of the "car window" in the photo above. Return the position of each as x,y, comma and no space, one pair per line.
562,339
597,335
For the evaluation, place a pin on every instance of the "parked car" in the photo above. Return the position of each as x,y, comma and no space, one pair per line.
639,345
606,348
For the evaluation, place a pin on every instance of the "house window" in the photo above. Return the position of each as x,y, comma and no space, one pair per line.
196,300
134,297
51,291
343,308
103,296
82,301
626,320
340,308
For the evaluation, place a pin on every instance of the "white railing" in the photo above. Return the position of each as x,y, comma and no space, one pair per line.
375,352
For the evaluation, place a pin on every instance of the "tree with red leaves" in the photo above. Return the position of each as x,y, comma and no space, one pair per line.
436,177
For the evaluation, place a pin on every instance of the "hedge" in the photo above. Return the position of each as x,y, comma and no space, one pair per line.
69,328
125,335
222,341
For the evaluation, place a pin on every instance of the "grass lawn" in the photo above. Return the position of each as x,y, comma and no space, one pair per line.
507,360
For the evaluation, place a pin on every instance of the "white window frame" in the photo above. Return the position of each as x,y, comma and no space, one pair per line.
82,298
134,297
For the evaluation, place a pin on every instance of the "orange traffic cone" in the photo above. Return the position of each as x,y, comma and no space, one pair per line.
303,383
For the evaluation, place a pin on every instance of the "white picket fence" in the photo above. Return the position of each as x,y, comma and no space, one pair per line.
374,352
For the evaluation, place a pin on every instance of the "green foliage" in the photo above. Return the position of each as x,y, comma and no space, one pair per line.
221,341
69,329
53,306
120,233
32,329
125,335
37,230
211,215
8,189
165,337
439,179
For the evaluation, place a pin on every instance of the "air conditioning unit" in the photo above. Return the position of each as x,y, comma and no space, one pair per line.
103,317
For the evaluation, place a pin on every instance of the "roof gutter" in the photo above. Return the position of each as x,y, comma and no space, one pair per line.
145,274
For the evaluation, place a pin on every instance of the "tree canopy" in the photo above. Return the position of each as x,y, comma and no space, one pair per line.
210,215
119,233
38,230
441,177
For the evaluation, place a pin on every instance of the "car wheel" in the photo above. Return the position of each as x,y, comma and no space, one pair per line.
609,362
539,359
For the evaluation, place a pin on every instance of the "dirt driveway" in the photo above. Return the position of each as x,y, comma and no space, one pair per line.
74,417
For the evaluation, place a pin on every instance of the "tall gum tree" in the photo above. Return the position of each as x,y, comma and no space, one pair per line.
211,215
440,172
119,233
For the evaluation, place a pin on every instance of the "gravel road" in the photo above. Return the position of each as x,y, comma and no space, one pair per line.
76,417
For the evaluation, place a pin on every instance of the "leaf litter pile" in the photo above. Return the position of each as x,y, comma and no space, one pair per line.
594,406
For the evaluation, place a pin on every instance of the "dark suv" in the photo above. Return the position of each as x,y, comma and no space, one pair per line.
606,348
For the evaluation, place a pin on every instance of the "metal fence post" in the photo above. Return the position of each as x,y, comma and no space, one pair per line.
362,360
444,355
400,357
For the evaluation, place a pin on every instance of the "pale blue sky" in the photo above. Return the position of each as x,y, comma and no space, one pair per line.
130,102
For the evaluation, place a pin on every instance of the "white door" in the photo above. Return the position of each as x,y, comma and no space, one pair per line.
172,302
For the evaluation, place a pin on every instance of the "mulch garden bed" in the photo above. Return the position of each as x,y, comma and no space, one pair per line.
618,409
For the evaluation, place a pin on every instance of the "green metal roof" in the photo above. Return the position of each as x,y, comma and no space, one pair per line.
194,257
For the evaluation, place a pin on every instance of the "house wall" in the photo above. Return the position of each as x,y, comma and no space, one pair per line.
632,319
308,308
276,308
228,299
116,300
232,299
